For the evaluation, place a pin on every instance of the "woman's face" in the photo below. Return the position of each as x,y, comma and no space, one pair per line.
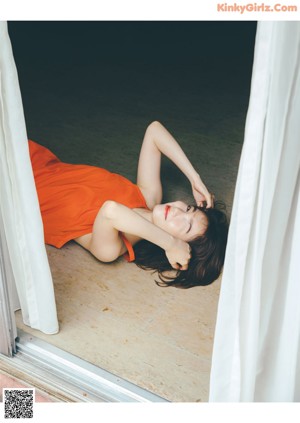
180,220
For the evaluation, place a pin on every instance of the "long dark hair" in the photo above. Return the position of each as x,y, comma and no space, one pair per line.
208,254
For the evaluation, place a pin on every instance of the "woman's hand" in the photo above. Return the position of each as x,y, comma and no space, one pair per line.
179,254
201,193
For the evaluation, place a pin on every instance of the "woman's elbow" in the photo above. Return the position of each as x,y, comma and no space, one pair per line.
153,126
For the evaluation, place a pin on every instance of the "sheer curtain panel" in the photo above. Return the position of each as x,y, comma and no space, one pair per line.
256,349
19,208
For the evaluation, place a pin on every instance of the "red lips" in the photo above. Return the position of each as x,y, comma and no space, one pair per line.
167,209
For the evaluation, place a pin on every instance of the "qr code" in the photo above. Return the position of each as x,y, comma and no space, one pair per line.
18,403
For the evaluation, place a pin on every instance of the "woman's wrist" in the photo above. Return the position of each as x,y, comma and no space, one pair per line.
194,177
167,242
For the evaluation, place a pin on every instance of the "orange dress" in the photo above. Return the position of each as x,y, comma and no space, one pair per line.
70,195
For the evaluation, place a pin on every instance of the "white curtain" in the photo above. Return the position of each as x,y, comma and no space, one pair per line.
256,355
23,229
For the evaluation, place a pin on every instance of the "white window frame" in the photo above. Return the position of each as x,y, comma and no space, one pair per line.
8,328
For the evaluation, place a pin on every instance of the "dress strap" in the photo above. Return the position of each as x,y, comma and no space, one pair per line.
129,256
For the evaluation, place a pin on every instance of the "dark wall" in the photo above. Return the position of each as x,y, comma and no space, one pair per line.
135,42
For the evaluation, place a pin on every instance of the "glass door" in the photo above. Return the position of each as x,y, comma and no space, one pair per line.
7,319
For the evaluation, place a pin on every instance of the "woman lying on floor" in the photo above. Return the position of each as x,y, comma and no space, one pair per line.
107,214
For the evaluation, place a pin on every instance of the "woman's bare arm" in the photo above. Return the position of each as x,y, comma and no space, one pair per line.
158,141
113,218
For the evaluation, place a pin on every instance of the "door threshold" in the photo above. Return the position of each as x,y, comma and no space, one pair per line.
69,378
